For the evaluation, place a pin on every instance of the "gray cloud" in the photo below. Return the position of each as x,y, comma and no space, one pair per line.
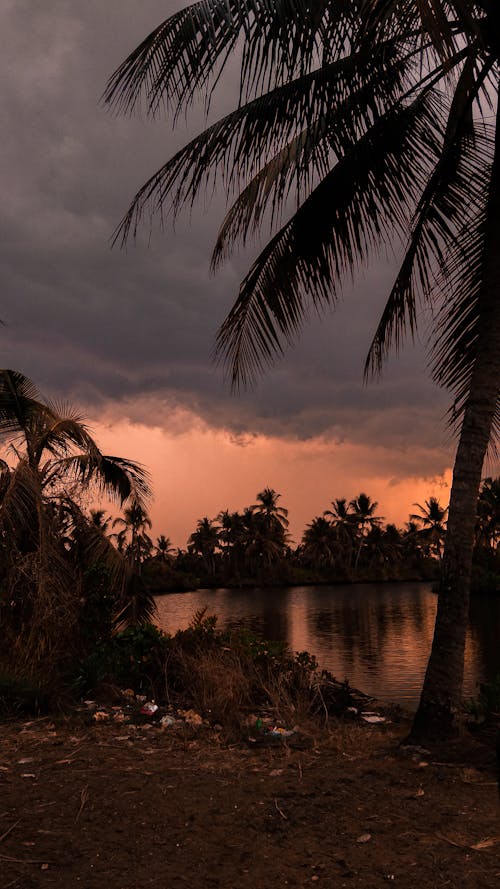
135,329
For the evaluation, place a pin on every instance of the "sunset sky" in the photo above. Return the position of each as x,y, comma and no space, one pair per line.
127,335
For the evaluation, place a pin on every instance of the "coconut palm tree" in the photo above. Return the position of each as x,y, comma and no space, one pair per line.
320,546
204,542
133,539
267,505
47,541
432,519
382,116
163,549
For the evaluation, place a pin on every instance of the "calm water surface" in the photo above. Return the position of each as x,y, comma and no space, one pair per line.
376,635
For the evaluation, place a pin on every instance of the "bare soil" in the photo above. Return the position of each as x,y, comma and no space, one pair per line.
124,807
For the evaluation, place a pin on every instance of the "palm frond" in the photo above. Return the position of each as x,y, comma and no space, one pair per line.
456,181
332,104
446,22
117,478
367,195
19,402
188,52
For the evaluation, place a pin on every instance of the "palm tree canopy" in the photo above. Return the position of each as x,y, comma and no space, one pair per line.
58,447
376,114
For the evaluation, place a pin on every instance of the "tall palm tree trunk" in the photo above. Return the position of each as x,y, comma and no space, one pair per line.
440,701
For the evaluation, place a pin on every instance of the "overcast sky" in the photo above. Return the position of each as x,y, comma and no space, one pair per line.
128,335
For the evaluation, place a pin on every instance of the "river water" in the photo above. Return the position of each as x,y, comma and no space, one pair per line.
378,636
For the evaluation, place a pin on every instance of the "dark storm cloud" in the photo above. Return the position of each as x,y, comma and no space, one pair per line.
128,327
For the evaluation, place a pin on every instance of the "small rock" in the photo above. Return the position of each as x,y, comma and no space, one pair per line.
364,838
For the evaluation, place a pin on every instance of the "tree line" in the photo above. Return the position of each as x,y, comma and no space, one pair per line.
348,542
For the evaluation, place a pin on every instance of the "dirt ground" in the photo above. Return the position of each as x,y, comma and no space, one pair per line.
124,807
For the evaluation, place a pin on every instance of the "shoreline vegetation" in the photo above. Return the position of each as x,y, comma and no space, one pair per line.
348,543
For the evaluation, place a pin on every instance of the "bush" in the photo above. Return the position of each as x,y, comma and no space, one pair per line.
223,675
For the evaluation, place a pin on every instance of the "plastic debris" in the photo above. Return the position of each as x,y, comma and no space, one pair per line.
167,720
149,708
101,715
372,718
278,732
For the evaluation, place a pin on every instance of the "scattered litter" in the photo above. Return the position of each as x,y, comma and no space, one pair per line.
100,715
353,710
24,761
44,866
372,717
191,717
423,764
141,699
149,708
27,775
364,838
278,732
167,720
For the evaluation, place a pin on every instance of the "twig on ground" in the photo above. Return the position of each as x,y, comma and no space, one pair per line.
280,810
84,796
11,828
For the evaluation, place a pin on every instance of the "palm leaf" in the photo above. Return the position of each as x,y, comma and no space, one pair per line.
120,479
457,179
365,197
334,103
189,50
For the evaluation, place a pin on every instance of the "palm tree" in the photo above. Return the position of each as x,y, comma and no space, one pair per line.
164,551
382,114
320,544
204,542
42,526
267,506
133,538
432,517
362,511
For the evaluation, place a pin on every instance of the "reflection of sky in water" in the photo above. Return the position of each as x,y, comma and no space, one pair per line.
377,635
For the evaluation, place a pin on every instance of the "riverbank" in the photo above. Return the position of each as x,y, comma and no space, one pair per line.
111,804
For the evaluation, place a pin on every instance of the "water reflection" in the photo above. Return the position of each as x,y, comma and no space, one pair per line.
376,635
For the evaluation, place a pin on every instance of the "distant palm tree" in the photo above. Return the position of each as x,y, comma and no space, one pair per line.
164,551
267,505
363,509
432,517
204,542
133,538
320,546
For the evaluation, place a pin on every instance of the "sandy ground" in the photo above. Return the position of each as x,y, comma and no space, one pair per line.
123,807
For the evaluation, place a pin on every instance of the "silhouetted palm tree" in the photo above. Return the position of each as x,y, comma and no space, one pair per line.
163,549
432,517
55,461
320,545
383,115
204,542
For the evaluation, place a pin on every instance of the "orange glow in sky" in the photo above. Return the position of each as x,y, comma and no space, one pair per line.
198,471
